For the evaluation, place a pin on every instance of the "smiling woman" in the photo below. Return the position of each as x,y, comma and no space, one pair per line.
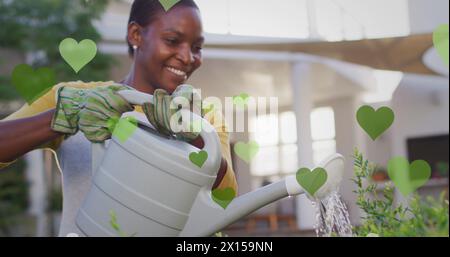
166,50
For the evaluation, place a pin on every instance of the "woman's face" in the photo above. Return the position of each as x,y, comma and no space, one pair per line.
170,50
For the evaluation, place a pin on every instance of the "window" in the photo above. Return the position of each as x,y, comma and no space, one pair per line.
277,138
323,133
332,20
250,17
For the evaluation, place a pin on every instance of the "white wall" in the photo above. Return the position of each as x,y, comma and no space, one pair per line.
421,107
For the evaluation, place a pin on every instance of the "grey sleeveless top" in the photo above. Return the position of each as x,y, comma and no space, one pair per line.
74,155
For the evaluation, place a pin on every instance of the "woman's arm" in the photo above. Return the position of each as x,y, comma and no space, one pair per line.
19,136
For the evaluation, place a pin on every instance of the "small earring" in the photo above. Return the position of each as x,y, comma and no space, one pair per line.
135,47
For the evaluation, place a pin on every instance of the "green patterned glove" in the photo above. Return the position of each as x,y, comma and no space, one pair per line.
160,114
89,110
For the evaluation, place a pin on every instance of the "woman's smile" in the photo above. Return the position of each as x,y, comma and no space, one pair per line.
178,75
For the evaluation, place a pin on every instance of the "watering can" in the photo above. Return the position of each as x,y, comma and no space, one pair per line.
152,188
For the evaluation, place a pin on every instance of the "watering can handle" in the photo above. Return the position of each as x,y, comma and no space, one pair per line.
208,132
98,149
136,97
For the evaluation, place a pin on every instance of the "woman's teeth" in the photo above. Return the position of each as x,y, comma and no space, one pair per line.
177,72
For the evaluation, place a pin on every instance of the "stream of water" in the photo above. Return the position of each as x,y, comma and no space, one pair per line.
332,218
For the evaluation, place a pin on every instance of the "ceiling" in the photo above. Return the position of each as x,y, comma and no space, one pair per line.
398,54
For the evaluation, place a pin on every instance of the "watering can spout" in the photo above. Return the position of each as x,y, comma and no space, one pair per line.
207,217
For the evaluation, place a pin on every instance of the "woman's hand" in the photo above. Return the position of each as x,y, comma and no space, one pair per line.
89,110
160,113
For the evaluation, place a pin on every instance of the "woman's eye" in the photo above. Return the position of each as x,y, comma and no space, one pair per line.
172,41
198,48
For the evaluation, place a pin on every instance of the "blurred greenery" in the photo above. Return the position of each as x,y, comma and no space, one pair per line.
13,196
442,169
55,200
423,216
37,27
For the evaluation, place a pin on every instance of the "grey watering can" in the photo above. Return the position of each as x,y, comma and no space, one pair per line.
152,188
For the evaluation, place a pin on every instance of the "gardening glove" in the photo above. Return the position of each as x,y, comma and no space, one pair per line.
93,111
160,114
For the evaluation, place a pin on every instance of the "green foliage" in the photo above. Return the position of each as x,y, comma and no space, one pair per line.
39,26
220,234
7,92
55,200
13,196
422,217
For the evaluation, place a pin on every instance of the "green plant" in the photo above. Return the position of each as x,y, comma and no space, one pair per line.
220,234
442,169
55,200
38,27
13,196
422,217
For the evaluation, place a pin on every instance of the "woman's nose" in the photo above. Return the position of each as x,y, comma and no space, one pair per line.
186,56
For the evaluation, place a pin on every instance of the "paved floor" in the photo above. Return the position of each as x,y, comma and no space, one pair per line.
263,229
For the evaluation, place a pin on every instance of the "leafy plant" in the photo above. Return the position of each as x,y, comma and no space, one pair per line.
220,234
55,200
37,27
422,217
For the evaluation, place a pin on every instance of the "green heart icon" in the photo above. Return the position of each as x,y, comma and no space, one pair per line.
241,100
168,4
246,151
198,158
111,124
223,197
207,108
122,128
77,55
32,84
311,181
440,41
408,177
195,126
374,122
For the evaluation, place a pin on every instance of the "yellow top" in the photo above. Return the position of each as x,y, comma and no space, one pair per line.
48,101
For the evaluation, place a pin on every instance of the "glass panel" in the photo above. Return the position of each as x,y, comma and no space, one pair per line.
265,162
249,17
288,128
323,149
333,19
350,19
214,15
266,130
376,19
329,20
289,158
322,123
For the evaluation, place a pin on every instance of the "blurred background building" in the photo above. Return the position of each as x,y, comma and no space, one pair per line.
323,59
